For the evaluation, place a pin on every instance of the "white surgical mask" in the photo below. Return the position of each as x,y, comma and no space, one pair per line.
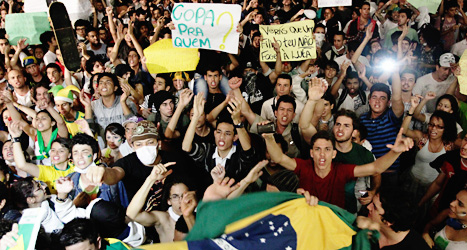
147,154
319,37
85,170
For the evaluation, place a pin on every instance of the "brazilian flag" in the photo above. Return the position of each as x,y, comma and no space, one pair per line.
270,221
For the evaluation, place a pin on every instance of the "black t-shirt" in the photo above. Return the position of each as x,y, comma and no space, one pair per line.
213,101
257,90
209,138
412,241
33,83
136,172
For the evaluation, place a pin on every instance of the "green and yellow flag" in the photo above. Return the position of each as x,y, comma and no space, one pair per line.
270,221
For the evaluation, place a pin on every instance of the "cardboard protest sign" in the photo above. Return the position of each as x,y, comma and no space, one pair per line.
432,5
463,76
26,25
295,40
28,227
77,9
206,26
162,57
333,3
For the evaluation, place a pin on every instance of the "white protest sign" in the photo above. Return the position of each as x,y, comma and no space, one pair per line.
432,5
206,26
334,3
77,9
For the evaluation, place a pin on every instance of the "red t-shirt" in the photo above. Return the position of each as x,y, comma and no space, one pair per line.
331,188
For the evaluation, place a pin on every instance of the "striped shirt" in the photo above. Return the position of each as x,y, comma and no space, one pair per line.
382,130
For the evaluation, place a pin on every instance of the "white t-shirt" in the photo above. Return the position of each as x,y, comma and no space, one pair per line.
349,102
49,57
24,100
268,113
342,59
428,83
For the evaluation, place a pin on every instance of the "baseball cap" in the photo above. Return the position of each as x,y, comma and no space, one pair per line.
133,119
446,59
29,60
145,130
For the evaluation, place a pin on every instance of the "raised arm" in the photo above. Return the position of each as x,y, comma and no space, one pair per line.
384,162
368,36
138,47
112,28
212,116
315,92
135,208
198,109
396,99
414,134
61,125
159,25
234,84
430,95
276,153
252,176
15,130
185,97
114,53
126,110
243,136
19,48
86,101
336,86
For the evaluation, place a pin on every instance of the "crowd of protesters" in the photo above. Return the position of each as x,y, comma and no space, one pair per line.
114,155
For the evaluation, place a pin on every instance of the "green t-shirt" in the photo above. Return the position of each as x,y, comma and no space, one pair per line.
359,156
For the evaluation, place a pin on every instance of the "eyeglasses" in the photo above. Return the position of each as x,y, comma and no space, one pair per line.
175,197
431,125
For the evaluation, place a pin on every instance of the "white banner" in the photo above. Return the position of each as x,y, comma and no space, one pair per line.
206,26
333,3
77,9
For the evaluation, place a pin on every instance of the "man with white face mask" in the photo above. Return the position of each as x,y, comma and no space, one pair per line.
133,169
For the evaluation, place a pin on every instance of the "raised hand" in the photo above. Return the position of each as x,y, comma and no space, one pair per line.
414,101
120,35
220,189
315,89
401,144
277,47
84,99
430,95
185,97
255,172
21,44
188,203
198,105
15,129
234,109
109,11
218,173
159,172
64,185
235,82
